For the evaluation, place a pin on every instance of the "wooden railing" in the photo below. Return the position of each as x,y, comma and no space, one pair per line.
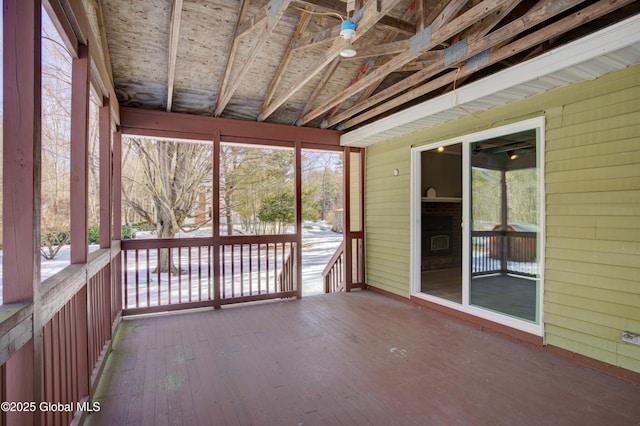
335,274
205,273
78,310
504,252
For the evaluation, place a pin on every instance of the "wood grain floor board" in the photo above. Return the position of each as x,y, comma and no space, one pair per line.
344,359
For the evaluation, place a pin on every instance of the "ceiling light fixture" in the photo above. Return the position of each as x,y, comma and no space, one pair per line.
347,32
512,155
441,149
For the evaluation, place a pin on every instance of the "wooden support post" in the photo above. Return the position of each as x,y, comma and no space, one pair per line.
504,229
21,203
79,154
106,182
79,195
117,218
361,253
117,185
216,219
348,243
298,219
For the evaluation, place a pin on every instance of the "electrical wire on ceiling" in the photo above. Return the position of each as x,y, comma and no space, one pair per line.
312,12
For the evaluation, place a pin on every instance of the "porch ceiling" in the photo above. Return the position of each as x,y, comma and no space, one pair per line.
269,61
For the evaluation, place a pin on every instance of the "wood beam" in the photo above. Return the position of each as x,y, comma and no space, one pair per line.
153,123
233,49
21,197
298,215
79,154
424,41
393,35
535,16
284,62
317,38
400,25
247,25
421,14
448,13
482,27
572,21
105,174
117,186
369,17
363,71
174,37
346,222
274,18
328,73
391,48
73,11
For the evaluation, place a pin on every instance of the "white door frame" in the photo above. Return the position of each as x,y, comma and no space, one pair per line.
416,223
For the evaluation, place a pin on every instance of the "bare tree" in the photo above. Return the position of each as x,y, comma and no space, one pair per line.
174,174
56,151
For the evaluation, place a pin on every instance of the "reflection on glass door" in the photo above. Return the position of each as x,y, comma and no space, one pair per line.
441,218
504,225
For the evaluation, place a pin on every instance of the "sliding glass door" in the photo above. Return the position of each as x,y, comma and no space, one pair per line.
477,238
504,225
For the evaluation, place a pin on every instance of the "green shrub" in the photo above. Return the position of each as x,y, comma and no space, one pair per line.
128,232
94,234
52,239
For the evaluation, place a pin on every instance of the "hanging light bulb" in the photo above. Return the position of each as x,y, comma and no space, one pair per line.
512,155
347,32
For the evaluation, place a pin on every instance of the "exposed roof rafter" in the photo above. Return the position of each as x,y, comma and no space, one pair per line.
370,16
424,41
174,36
274,18
496,55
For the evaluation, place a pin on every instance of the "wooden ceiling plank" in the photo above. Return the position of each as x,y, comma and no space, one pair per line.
370,16
274,18
232,51
226,96
103,39
328,73
174,36
560,27
438,36
363,71
393,35
311,40
249,24
284,62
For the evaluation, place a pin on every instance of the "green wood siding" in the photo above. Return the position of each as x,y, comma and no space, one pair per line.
592,189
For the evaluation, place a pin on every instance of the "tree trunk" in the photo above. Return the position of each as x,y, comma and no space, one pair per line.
165,260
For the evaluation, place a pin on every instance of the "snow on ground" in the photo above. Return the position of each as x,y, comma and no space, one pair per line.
318,241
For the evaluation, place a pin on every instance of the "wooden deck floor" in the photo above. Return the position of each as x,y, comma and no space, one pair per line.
344,359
